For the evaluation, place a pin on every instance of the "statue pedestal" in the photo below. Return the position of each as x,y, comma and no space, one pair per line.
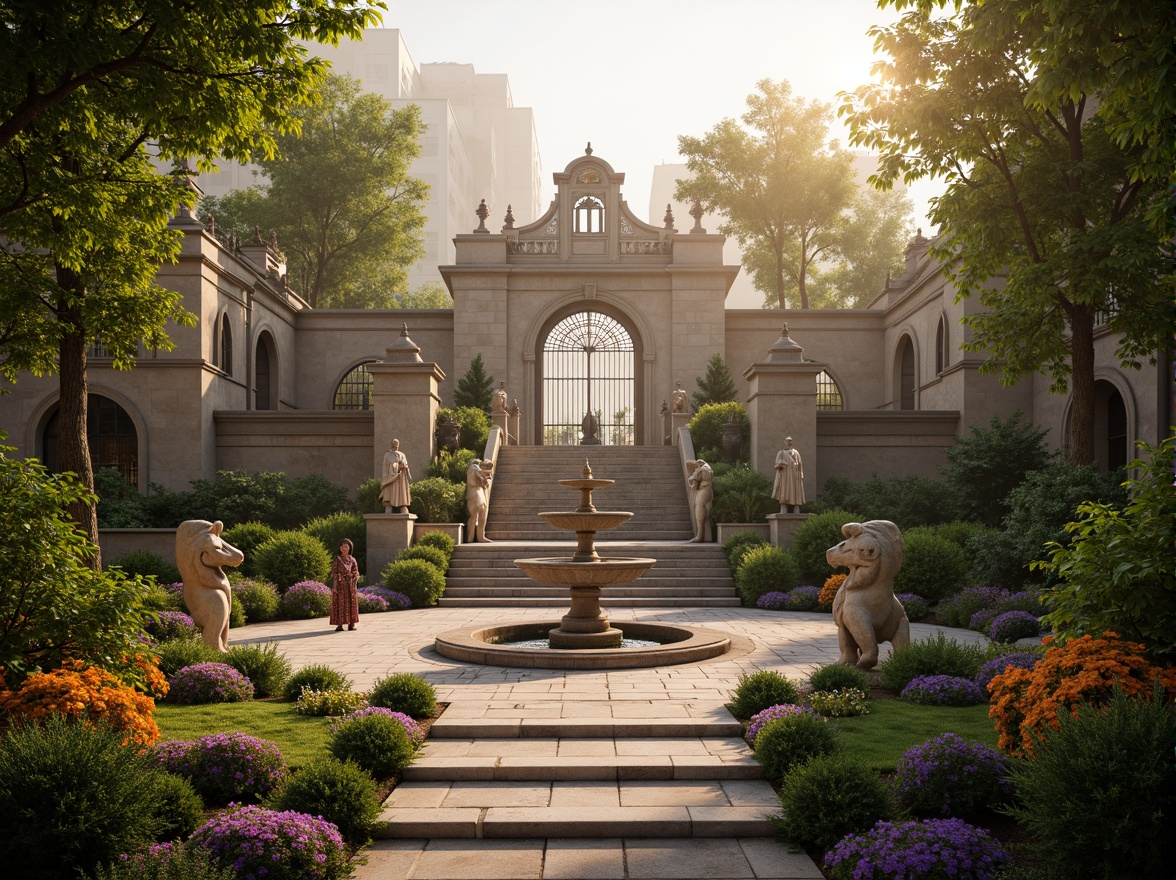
502,420
781,527
387,535
679,420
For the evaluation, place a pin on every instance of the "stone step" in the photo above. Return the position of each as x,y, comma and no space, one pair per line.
524,587
644,602
453,725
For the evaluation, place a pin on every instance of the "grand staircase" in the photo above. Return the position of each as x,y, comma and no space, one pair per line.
649,483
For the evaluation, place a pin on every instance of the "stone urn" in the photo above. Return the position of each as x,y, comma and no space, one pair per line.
448,435
732,439
590,428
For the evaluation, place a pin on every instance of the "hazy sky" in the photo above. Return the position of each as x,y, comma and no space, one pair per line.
632,75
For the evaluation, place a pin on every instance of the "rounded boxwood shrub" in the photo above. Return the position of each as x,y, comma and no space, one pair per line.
925,850
225,767
147,564
931,656
290,557
209,683
439,540
943,690
377,743
814,537
1013,625
803,599
72,796
305,600
762,689
828,797
330,530
765,569
178,653
837,676
417,579
932,567
261,664
737,544
785,743
949,776
759,719
316,677
436,500
247,537
277,845
405,692
338,791
166,626
431,555
259,598
181,809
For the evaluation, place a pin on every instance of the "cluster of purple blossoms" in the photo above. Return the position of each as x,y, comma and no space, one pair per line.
261,844
225,767
780,710
943,690
305,600
416,735
994,667
772,601
803,598
209,683
369,604
933,848
396,601
949,776
164,626
914,605
1013,625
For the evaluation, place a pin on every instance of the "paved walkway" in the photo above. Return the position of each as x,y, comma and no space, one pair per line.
789,643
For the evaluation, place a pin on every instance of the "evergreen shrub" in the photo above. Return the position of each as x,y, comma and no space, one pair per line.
764,569
762,689
144,563
290,557
706,427
376,743
932,566
316,678
816,535
417,579
785,743
338,791
432,555
332,529
835,676
258,598
405,692
247,537
438,541
452,466
828,797
263,665
436,500
931,656
181,809
174,655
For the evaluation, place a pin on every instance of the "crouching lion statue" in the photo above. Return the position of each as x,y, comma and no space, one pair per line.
866,611
201,555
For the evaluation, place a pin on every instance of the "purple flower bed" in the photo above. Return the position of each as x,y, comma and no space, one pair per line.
780,710
415,734
772,601
209,683
225,767
1012,625
305,600
949,776
803,599
933,848
943,690
396,601
369,604
992,668
258,843
914,605
168,625
981,621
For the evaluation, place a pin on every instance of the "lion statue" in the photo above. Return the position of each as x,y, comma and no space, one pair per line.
866,611
201,555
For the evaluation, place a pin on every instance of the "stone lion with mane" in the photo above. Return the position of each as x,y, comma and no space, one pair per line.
201,555
866,611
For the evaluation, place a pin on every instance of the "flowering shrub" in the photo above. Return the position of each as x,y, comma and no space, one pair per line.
85,692
165,861
168,625
949,776
829,590
926,850
259,598
843,703
943,690
176,593
209,683
416,734
997,665
305,600
914,605
225,767
332,701
369,604
396,601
1012,625
1027,701
259,843
773,601
981,621
783,710
960,608
803,599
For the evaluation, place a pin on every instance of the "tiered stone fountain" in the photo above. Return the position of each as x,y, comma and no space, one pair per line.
584,638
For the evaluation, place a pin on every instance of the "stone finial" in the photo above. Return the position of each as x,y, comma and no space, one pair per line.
669,219
483,212
665,407
696,212
211,225
273,242
784,350
588,149
509,219
257,239
403,350
587,472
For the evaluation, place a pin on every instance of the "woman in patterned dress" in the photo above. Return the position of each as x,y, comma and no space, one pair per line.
344,599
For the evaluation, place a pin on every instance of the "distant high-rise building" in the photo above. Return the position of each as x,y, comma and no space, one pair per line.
477,144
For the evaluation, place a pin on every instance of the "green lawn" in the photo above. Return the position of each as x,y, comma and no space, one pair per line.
893,726
298,737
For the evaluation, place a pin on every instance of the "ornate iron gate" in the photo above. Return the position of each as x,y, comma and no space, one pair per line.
588,371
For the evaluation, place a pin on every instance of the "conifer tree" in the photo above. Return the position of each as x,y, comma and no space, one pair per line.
475,387
717,386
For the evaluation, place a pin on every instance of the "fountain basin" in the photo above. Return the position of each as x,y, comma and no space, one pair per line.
601,572
577,521
492,647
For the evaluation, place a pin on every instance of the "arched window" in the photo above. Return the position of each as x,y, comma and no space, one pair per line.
226,345
589,215
111,436
355,391
941,342
1116,431
828,394
906,375
265,374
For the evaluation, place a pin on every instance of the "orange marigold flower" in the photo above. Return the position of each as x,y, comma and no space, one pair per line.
829,590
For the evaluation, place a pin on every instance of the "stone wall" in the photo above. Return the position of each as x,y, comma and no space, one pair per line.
858,445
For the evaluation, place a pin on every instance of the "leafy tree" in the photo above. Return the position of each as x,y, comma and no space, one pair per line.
83,89
430,295
1044,183
870,250
476,387
340,198
717,386
780,182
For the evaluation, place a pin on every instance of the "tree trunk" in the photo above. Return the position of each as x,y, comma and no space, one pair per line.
1081,439
71,421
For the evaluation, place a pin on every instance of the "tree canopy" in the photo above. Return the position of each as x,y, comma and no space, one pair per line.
340,198
1049,182
476,387
717,386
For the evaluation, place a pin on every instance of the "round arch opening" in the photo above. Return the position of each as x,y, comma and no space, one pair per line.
110,434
